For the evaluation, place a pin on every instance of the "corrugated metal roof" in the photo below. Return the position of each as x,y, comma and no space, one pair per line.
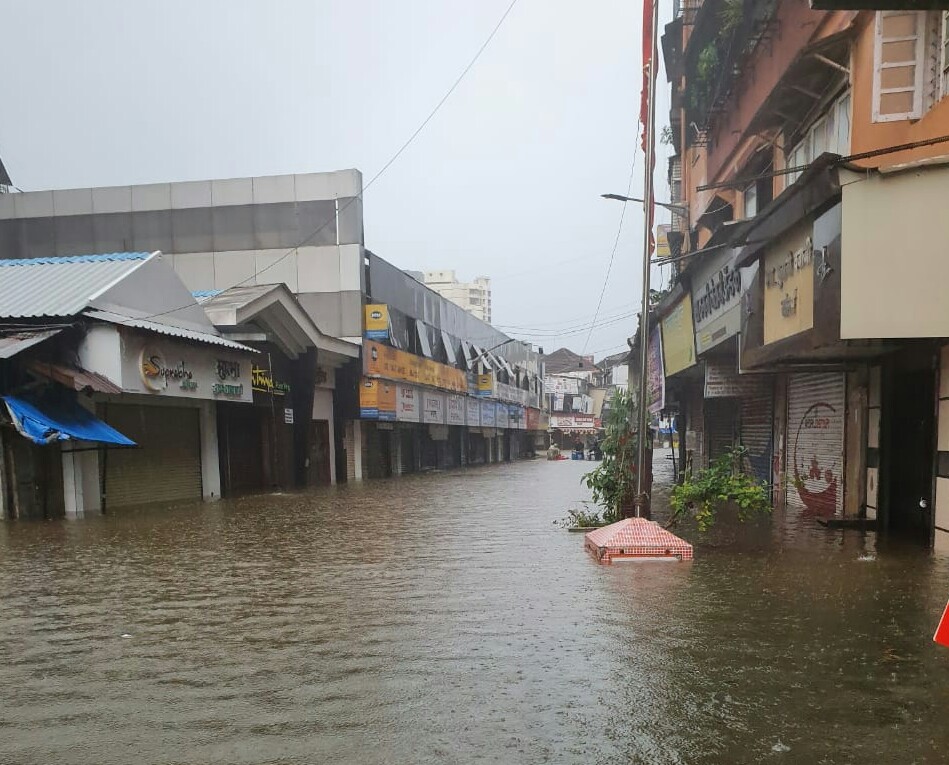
166,329
12,344
39,287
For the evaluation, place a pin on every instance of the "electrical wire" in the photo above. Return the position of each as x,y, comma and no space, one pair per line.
374,178
609,268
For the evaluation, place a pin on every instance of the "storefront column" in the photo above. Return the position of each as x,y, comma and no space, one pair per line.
358,467
210,465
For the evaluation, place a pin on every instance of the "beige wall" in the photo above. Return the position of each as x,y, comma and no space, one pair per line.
895,259
789,274
942,484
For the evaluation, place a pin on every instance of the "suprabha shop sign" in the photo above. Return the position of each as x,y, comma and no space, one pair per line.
789,286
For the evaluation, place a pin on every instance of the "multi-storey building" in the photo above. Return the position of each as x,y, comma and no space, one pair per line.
474,296
808,322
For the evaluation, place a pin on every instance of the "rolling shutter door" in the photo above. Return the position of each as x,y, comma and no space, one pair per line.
720,425
165,467
815,448
756,430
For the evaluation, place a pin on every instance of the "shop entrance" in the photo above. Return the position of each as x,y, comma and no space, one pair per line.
911,437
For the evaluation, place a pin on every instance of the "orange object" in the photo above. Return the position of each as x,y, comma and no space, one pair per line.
635,539
942,631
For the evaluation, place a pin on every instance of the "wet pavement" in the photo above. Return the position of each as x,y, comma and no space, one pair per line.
445,618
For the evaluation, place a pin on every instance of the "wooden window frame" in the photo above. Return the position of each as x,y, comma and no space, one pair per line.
917,90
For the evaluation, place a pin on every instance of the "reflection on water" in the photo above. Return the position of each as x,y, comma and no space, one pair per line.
444,618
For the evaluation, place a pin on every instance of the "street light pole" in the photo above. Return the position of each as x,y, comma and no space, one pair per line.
647,241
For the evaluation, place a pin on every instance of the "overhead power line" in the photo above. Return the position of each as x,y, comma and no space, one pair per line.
382,170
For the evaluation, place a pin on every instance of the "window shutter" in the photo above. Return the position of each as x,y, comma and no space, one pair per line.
898,65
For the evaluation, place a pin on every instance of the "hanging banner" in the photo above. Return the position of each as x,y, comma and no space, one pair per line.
376,399
377,321
455,410
486,385
656,378
392,364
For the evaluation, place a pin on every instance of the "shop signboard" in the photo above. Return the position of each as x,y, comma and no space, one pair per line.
656,376
532,419
519,417
678,338
573,421
717,288
180,370
377,322
408,405
503,419
473,412
486,385
433,407
488,414
377,399
455,410
561,384
392,364
263,381
723,381
789,285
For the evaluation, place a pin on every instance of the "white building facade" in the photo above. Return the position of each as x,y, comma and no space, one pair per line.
474,296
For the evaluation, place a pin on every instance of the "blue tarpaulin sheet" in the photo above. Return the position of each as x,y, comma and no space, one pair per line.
61,420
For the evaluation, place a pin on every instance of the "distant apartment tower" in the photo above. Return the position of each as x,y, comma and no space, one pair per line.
474,297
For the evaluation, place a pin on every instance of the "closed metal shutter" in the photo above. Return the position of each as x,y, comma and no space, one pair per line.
756,426
721,415
815,448
165,467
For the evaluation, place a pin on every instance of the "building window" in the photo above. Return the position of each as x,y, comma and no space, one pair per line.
750,199
899,50
830,133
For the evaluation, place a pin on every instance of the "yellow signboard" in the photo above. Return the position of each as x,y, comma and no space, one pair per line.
377,321
678,338
392,364
376,399
486,385
789,286
662,241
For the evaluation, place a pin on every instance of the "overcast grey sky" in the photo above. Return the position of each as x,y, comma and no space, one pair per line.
504,182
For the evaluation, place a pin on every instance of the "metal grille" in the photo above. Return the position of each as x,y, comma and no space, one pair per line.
756,423
165,467
815,443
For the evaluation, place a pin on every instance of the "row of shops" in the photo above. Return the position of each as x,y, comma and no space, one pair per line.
417,413
776,340
120,390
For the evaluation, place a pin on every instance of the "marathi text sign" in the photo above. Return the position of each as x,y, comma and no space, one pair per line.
472,413
392,364
455,410
433,408
723,381
408,404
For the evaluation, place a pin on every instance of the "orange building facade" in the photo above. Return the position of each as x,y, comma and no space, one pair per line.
811,156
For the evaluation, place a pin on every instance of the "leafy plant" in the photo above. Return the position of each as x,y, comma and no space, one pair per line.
578,519
710,490
613,481
730,16
665,136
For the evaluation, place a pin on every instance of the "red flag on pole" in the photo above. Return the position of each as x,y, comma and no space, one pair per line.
648,140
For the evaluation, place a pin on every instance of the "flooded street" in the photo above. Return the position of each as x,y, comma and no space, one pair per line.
445,618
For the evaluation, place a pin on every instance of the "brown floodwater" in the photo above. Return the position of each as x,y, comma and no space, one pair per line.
444,618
